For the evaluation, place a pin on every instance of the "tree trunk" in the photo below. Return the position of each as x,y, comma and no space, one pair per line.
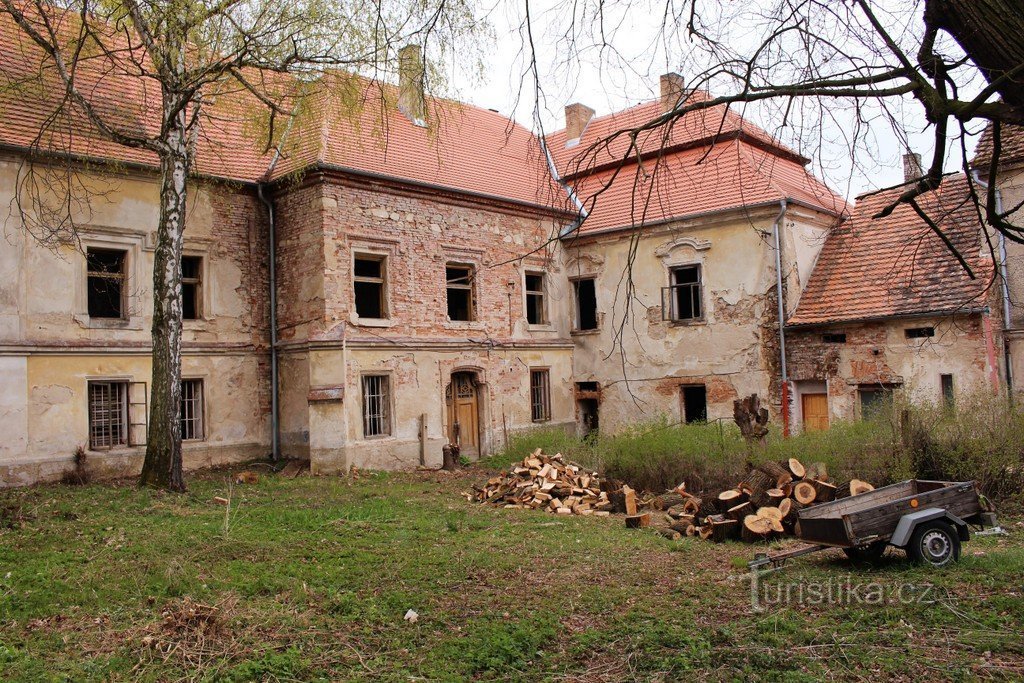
162,466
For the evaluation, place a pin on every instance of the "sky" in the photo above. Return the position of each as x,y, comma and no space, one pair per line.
610,82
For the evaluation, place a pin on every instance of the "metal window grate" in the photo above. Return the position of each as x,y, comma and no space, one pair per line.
191,414
376,403
540,396
108,414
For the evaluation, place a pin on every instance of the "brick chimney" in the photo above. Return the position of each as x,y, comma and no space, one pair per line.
411,101
672,88
912,166
577,116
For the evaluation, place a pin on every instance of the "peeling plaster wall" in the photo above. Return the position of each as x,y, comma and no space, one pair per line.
327,346
1010,182
879,353
641,360
49,348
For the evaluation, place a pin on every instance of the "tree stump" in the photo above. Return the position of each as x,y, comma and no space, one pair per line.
751,418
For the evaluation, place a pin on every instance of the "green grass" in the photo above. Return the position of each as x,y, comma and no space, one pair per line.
313,577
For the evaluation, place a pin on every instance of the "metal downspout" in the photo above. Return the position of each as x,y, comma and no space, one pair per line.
569,229
782,318
275,443
1005,288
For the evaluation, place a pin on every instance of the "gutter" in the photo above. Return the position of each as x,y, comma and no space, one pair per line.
1007,357
782,317
937,313
553,169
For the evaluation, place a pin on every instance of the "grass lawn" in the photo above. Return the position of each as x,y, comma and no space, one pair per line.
313,577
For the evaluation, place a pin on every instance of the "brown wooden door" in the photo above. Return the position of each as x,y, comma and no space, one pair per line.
464,414
815,410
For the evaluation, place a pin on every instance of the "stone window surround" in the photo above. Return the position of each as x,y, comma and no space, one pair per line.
546,306
585,266
462,256
680,253
392,425
132,243
385,249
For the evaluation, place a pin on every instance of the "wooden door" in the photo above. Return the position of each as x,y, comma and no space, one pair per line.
464,414
815,411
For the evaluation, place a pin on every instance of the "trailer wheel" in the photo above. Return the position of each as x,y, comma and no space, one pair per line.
871,552
935,543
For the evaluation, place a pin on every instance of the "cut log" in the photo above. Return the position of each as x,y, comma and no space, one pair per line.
796,468
785,506
671,534
638,521
707,507
773,470
682,526
817,471
723,529
691,505
804,492
676,511
730,498
693,530
858,487
825,492
757,480
770,513
667,500
755,528
776,496
751,418
740,511
629,500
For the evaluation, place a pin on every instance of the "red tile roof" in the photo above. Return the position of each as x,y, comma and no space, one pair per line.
896,266
1011,146
465,148
711,160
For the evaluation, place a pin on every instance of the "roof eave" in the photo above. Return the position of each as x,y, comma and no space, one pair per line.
940,312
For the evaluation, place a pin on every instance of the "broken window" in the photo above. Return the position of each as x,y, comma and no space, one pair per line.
948,395
586,304
834,337
681,300
108,414
368,284
695,403
376,405
535,313
191,413
540,396
460,292
919,332
191,287
106,282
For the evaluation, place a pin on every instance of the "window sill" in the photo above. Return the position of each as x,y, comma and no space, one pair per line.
372,322
463,325
540,327
109,323
695,322
379,437
585,333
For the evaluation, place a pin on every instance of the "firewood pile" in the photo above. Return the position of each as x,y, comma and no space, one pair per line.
546,482
761,507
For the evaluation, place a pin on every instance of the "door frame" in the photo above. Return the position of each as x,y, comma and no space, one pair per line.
482,414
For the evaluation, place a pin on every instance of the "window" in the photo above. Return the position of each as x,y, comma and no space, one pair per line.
191,413
460,292
535,313
834,337
919,332
108,414
586,304
106,282
191,287
540,396
368,283
695,403
681,300
948,395
874,399
376,405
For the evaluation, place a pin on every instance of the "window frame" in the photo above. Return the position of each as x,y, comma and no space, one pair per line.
542,294
199,415
669,295
123,439
576,323
544,402
469,287
122,277
387,405
919,332
682,403
382,281
197,281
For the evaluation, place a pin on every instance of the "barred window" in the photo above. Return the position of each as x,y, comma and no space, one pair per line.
540,396
191,287
191,415
105,269
535,310
108,414
376,405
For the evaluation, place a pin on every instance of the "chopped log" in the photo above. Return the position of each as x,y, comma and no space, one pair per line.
671,534
691,505
751,418
757,480
722,529
705,532
755,528
858,487
629,500
796,468
790,509
825,492
740,511
693,530
817,471
761,499
682,526
667,500
776,496
770,513
785,506
804,492
638,521
730,498
773,470
676,511
706,507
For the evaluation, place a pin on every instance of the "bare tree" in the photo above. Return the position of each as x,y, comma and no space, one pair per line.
187,54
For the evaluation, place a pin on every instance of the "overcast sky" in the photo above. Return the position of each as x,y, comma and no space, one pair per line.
633,77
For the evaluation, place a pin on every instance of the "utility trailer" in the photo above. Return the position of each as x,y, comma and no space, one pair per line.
928,519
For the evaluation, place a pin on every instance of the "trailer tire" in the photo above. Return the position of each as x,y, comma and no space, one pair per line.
871,552
935,543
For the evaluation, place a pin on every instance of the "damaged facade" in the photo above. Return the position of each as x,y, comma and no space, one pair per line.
433,283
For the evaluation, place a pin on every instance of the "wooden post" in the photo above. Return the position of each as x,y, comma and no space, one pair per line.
423,438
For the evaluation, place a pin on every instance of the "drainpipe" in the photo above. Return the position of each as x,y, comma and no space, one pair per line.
782,318
572,227
1005,288
275,441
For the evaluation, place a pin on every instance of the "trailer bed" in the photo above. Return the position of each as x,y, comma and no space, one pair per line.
873,516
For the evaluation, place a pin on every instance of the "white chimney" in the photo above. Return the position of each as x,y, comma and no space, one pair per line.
672,88
577,116
912,167
411,101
